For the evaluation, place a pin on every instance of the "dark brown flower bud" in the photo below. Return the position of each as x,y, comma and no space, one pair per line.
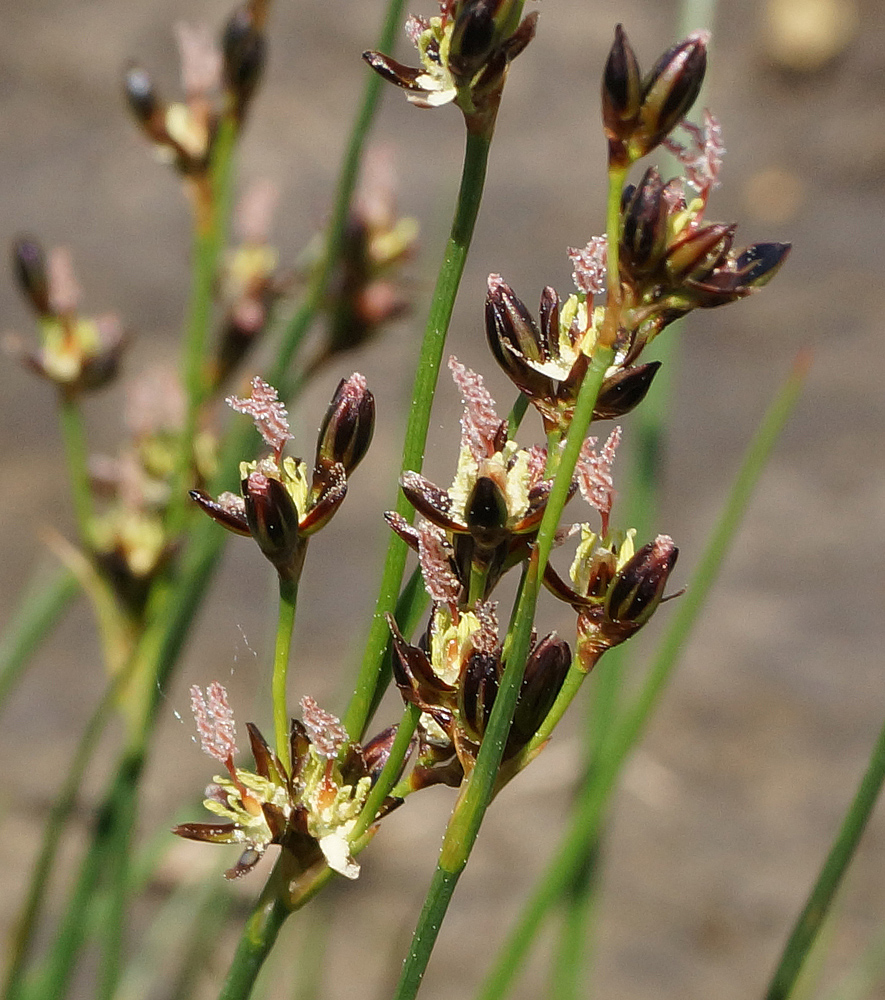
486,508
544,676
670,90
473,37
644,233
479,687
638,588
699,253
273,522
347,428
140,94
623,391
244,52
514,338
29,265
621,95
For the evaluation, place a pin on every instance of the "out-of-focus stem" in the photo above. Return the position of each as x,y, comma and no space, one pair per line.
469,198
811,919
299,324
210,224
74,437
44,603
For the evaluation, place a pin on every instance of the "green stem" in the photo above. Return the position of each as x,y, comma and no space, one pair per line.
811,918
115,815
76,452
568,977
285,626
209,236
62,808
44,603
476,794
441,306
258,936
593,799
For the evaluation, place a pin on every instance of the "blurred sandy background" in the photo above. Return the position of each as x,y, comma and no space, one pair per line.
729,807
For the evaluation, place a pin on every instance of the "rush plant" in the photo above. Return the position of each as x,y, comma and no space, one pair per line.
530,495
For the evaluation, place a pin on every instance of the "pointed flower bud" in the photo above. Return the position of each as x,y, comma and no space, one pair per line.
639,114
273,522
346,431
638,587
671,89
244,53
621,89
29,264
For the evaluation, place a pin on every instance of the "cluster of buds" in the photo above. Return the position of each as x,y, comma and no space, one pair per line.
131,544
364,293
281,504
638,112
670,260
614,588
486,522
309,813
465,53
218,82
250,282
77,353
548,360
453,677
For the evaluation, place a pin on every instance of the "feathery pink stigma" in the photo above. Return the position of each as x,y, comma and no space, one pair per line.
480,423
215,722
327,734
200,59
589,265
433,555
255,211
485,638
64,292
594,474
702,156
270,415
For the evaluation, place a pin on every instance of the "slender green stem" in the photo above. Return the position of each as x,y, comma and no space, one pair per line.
210,228
115,814
810,920
389,773
76,452
441,306
476,794
62,808
568,975
44,603
592,801
282,650
259,935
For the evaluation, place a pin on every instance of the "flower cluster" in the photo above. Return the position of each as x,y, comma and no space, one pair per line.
465,52
281,503
308,813
77,353
217,81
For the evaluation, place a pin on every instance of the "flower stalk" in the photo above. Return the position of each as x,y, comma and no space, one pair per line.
426,375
